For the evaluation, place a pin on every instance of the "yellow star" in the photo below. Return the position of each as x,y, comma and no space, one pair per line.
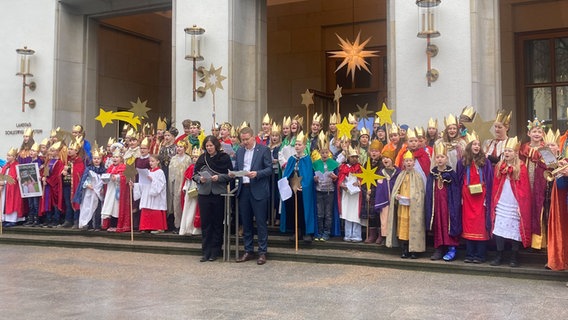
482,128
201,137
369,176
384,115
353,55
104,117
344,129
307,98
139,108
337,93
213,79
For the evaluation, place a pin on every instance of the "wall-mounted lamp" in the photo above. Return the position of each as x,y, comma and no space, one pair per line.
427,20
24,57
193,40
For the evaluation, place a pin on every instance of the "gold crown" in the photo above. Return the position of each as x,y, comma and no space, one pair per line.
131,134
512,143
126,126
145,142
97,152
363,132
182,143
420,132
44,142
388,154
333,118
317,118
78,127
244,124
394,129
77,143
35,147
353,152
408,155
449,120
376,145
29,132
226,125
266,119
471,137
275,128
323,142
301,137
56,146
504,117
468,111
117,152
351,118
13,152
196,152
286,122
299,119
377,120
535,124
440,148
54,132
111,140
410,134
161,124
146,129
551,137
433,123
234,132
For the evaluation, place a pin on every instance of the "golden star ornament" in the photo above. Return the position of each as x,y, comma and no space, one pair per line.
482,128
368,175
213,79
363,113
106,117
344,129
337,93
296,183
353,55
307,98
201,137
384,115
139,108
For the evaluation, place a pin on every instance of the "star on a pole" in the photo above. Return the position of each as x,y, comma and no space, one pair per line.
363,113
483,128
139,108
384,115
307,98
353,55
368,175
213,79
201,137
296,183
344,129
337,93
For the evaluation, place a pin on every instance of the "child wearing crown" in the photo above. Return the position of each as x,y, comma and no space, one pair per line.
350,196
384,191
368,194
532,159
493,148
451,138
115,211
153,202
52,200
190,219
442,206
72,174
90,192
511,199
11,202
178,164
27,143
557,248
326,171
406,226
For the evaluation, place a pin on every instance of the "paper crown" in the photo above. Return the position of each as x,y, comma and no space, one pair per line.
420,132
161,124
440,148
266,119
54,132
131,134
551,137
286,122
29,132
145,143
351,118
35,147
410,134
317,118
275,128
97,152
433,123
512,143
376,145
244,124
44,142
333,118
117,152
234,132
364,131
301,137
182,143
535,124
449,120
111,140
56,146
12,152
299,119
78,127
408,155
388,154
146,129
323,142
394,129
77,143
226,125
504,117
468,112
196,152
471,137
353,152
377,120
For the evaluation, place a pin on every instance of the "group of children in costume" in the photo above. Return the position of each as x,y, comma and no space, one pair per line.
449,185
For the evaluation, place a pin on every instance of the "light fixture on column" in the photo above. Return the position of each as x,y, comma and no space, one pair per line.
193,39
427,20
24,59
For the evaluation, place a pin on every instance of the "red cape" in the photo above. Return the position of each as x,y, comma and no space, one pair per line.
13,199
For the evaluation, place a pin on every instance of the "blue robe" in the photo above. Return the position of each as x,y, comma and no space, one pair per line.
453,189
383,192
78,197
305,171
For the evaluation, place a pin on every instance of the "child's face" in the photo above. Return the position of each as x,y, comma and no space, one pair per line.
286,130
180,150
508,154
97,161
132,143
500,129
266,127
412,143
394,138
409,163
194,130
54,153
71,152
299,147
441,160
332,127
553,147
275,138
381,134
9,158
387,162
144,150
475,147
421,142
43,149
194,158
316,127
432,132
364,140
224,132
375,154
26,139
116,160
324,154
452,131
536,134
168,136
235,140
353,159
154,163
294,126
33,153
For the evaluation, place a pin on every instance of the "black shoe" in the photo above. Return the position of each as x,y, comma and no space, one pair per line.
413,255
203,259
497,261
212,258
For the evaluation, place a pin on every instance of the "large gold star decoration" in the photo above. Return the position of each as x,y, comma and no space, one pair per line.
106,117
130,172
384,115
353,55
213,79
307,98
296,183
482,128
368,175
363,113
201,137
337,93
139,108
344,129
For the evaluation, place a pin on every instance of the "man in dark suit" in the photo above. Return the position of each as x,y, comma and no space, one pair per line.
254,193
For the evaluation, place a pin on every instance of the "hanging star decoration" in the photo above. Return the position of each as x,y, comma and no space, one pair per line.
384,115
139,108
353,55
296,183
307,98
106,117
344,129
201,137
369,175
337,94
483,128
213,79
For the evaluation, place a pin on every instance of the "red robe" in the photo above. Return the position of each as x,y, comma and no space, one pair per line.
557,248
124,208
53,190
531,156
12,198
78,168
188,175
522,192
344,171
423,159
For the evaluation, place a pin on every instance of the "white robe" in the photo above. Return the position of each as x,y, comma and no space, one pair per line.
111,203
152,196
188,214
91,198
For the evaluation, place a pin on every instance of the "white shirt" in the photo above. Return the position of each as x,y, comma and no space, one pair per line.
247,161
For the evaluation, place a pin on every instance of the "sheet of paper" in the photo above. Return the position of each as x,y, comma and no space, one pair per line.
349,183
143,175
284,188
205,174
227,148
237,174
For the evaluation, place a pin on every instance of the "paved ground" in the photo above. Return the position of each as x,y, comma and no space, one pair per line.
59,283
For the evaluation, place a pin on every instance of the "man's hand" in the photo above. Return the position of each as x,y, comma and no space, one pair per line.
252,174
